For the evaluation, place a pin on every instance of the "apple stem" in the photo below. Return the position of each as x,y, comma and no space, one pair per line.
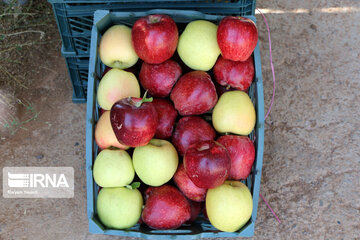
144,100
154,19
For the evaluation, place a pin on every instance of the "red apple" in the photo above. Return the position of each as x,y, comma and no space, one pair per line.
187,187
238,75
237,38
165,208
155,38
167,116
194,93
134,121
220,90
207,164
242,154
159,79
190,130
196,208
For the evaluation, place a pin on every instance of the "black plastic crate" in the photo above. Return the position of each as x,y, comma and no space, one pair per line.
78,68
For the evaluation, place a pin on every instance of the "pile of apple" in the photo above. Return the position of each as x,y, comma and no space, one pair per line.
142,139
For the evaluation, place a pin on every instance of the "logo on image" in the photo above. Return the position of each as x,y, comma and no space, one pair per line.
38,182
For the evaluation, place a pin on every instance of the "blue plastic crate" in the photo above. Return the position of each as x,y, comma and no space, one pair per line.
201,228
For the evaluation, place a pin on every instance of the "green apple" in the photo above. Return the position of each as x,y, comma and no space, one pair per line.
156,162
229,206
116,49
119,208
117,84
113,168
198,47
234,113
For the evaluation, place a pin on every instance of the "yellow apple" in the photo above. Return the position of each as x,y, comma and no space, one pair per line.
229,206
113,168
156,162
104,134
116,49
234,113
117,84
119,208
198,47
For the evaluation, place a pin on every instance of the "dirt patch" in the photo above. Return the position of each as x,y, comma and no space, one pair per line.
29,55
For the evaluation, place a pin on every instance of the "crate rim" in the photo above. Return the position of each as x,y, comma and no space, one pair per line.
248,231
180,3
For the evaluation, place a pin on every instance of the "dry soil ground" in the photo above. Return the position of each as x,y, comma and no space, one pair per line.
311,172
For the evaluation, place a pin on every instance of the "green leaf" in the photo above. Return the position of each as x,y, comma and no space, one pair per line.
146,99
135,185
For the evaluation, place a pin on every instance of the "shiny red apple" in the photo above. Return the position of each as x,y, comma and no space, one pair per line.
242,154
220,90
187,187
194,93
166,118
159,79
190,130
134,121
155,38
238,75
196,208
165,208
237,38
207,164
